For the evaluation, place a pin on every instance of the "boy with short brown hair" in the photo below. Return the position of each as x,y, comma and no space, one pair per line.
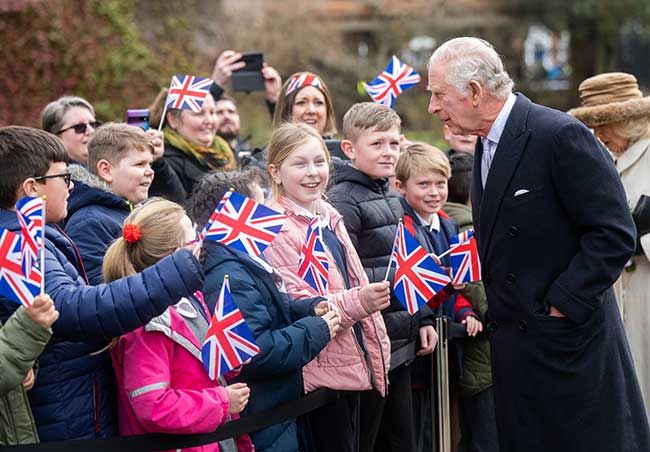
117,178
371,212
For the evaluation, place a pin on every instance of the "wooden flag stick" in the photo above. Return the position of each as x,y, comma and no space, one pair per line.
162,118
390,262
42,250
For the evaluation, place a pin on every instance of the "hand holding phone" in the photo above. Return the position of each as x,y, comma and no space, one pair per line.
228,62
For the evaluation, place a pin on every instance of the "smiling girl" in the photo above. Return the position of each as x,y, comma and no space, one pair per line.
358,357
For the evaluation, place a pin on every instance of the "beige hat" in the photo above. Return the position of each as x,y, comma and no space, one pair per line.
610,97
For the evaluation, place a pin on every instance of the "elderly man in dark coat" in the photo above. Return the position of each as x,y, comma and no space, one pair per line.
554,232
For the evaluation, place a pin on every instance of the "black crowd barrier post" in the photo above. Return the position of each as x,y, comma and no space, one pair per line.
440,397
248,424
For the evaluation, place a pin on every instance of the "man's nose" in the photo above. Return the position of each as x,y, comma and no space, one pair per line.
434,105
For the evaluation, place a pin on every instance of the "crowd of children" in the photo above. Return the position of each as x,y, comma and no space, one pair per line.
134,290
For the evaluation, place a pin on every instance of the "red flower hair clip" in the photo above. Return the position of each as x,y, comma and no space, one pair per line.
131,233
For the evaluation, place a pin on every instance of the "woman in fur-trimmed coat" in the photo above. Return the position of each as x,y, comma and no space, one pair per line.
615,109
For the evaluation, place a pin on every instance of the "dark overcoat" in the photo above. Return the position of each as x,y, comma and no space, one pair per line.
553,228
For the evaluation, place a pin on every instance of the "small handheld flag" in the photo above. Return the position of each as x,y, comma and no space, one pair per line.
465,263
417,276
186,92
14,283
313,265
228,342
243,224
393,81
31,216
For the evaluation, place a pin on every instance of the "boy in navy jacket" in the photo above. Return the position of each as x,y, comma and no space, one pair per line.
421,177
74,394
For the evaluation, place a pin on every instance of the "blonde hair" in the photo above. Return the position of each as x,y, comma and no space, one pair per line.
284,140
284,107
633,129
420,157
111,141
364,116
159,221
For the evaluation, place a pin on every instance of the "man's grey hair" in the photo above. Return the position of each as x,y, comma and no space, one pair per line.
53,113
473,59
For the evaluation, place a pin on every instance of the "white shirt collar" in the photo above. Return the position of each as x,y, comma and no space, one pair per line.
494,135
433,223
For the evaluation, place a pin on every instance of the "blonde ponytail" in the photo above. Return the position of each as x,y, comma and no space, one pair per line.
159,222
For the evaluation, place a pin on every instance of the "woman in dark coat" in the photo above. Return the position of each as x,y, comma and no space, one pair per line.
192,148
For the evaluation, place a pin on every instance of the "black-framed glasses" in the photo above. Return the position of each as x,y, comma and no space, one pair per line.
81,127
67,177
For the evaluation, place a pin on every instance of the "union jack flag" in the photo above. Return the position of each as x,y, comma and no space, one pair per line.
313,265
30,212
301,80
417,276
14,284
187,92
228,342
396,78
243,224
465,264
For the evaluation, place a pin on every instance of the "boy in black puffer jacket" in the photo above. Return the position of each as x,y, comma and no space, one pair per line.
371,213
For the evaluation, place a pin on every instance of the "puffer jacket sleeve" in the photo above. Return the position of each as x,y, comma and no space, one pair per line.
284,253
107,311
158,407
283,350
21,342
166,182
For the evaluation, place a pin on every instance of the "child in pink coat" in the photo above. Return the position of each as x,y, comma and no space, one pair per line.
162,384
357,359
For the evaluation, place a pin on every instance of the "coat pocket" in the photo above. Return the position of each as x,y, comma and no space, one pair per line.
533,194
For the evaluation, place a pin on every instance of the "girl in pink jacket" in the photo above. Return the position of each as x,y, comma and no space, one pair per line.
357,359
162,384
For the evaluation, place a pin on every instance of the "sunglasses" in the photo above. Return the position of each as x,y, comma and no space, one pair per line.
81,127
67,177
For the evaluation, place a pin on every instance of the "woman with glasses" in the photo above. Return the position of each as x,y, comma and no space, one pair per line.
72,119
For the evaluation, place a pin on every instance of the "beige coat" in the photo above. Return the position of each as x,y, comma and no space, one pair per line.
633,287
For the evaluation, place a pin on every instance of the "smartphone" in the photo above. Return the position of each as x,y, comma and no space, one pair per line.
138,118
249,78
254,62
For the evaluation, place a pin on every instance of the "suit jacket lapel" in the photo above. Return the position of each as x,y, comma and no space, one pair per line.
506,159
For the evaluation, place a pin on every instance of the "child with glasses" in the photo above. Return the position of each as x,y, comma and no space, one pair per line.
74,396
117,178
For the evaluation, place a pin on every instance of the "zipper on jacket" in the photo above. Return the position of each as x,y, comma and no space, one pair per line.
96,401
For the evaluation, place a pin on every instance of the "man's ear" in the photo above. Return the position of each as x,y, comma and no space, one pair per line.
104,171
348,149
476,92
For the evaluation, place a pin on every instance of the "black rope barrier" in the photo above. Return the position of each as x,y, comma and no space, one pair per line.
164,441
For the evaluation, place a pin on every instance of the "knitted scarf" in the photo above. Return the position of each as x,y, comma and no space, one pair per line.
219,156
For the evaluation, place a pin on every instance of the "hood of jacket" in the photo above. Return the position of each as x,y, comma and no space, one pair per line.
89,190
